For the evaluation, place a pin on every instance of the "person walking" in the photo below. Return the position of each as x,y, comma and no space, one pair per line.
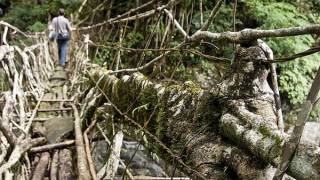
62,29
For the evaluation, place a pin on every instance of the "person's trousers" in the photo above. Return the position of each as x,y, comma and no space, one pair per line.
62,51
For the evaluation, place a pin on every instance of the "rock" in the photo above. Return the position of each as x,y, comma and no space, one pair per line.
58,128
311,133
140,162
99,153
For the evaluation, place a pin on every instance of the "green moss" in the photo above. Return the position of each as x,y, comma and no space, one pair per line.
148,95
264,131
191,87
174,88
278,140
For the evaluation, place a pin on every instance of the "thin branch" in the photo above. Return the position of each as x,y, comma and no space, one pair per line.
131,11
16,29
118,55
234,12
212,15
80,9
121,18
201,12
138,16
88,150
193,51
176,23
131,18
299,55
214,58
4,36
116,47
147,64
252,34
34,113
49,147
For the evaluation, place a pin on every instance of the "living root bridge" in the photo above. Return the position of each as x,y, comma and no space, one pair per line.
194,122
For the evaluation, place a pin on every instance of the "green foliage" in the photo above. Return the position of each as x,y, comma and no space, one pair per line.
133,39
37,27
295,76
102,56
26,16
33,17
69,5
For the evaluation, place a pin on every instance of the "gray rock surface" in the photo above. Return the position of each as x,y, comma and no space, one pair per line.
141,164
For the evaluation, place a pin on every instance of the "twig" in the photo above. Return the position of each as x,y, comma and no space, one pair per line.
88,151
131,11
49,147
212,15
201,12
122,19
176,23
234,12
147,64
131,158
118,56
15,28
4,36
299,55
34,113
80,8
218,59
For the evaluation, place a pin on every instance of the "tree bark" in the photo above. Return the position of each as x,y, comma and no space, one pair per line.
54,165
82,163
41,168
65,170
252,34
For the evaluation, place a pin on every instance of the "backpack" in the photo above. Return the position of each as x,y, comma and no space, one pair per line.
63,36
52,35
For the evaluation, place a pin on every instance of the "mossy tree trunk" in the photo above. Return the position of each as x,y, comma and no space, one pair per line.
211,129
